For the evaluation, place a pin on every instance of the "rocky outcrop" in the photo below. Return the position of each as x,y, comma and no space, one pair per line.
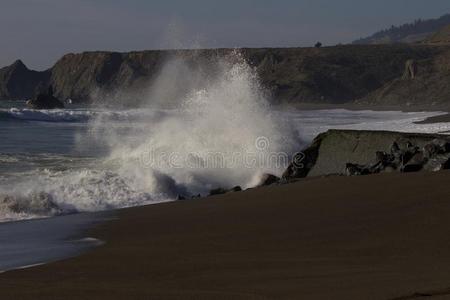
427,89
17,82
410,69
303,162
221,191
328,75
354,152
334,75
45,100
434,156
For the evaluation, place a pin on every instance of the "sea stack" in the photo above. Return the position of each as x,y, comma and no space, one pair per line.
45,101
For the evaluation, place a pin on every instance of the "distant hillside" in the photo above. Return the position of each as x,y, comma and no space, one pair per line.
440,37
414,32
350,74
18,82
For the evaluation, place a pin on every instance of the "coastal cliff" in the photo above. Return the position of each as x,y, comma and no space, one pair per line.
351,74
18,82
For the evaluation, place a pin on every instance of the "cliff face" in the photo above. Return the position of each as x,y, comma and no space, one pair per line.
93,75
18,82
331,75
428,88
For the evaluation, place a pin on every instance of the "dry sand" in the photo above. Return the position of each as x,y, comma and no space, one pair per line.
373,237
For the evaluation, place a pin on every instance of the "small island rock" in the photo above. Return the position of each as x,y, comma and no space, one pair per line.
45,101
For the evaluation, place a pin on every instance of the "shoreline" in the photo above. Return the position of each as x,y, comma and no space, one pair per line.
35,242
324,238
363,107
296,106
444,118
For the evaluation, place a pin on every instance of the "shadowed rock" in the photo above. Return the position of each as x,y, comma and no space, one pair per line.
221,191
45,101
410,69
268,179
353,152
330,75
17,82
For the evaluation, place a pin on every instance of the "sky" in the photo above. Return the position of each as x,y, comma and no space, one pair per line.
40,31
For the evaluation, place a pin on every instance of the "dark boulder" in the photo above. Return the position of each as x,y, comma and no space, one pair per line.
415,163
221,191
356,170
441,146
45,101
304,161
384,163
268,179
235,189
438,163
430,150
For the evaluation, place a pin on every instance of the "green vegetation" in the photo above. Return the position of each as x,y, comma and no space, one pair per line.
417,31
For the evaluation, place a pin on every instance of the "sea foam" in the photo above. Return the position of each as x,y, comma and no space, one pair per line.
213,126
196,131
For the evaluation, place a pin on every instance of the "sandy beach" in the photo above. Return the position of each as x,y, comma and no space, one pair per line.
372,237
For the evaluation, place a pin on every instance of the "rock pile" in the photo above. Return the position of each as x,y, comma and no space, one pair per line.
434,156
360,152
221,191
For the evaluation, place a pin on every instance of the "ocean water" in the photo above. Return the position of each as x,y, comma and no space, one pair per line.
79,159
31,243
220,132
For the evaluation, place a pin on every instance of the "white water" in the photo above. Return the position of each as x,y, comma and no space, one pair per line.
155,155
224,116
144,156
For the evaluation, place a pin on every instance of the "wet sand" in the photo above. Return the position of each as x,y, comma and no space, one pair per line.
374,237
33,242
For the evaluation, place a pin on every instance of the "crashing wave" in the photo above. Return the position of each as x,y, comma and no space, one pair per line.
46,193
57,115
225,114
38,204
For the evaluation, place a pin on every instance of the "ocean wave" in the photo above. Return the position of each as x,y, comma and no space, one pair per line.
57,115
34,204
226,116
160,154
80,115
47,193
9,158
